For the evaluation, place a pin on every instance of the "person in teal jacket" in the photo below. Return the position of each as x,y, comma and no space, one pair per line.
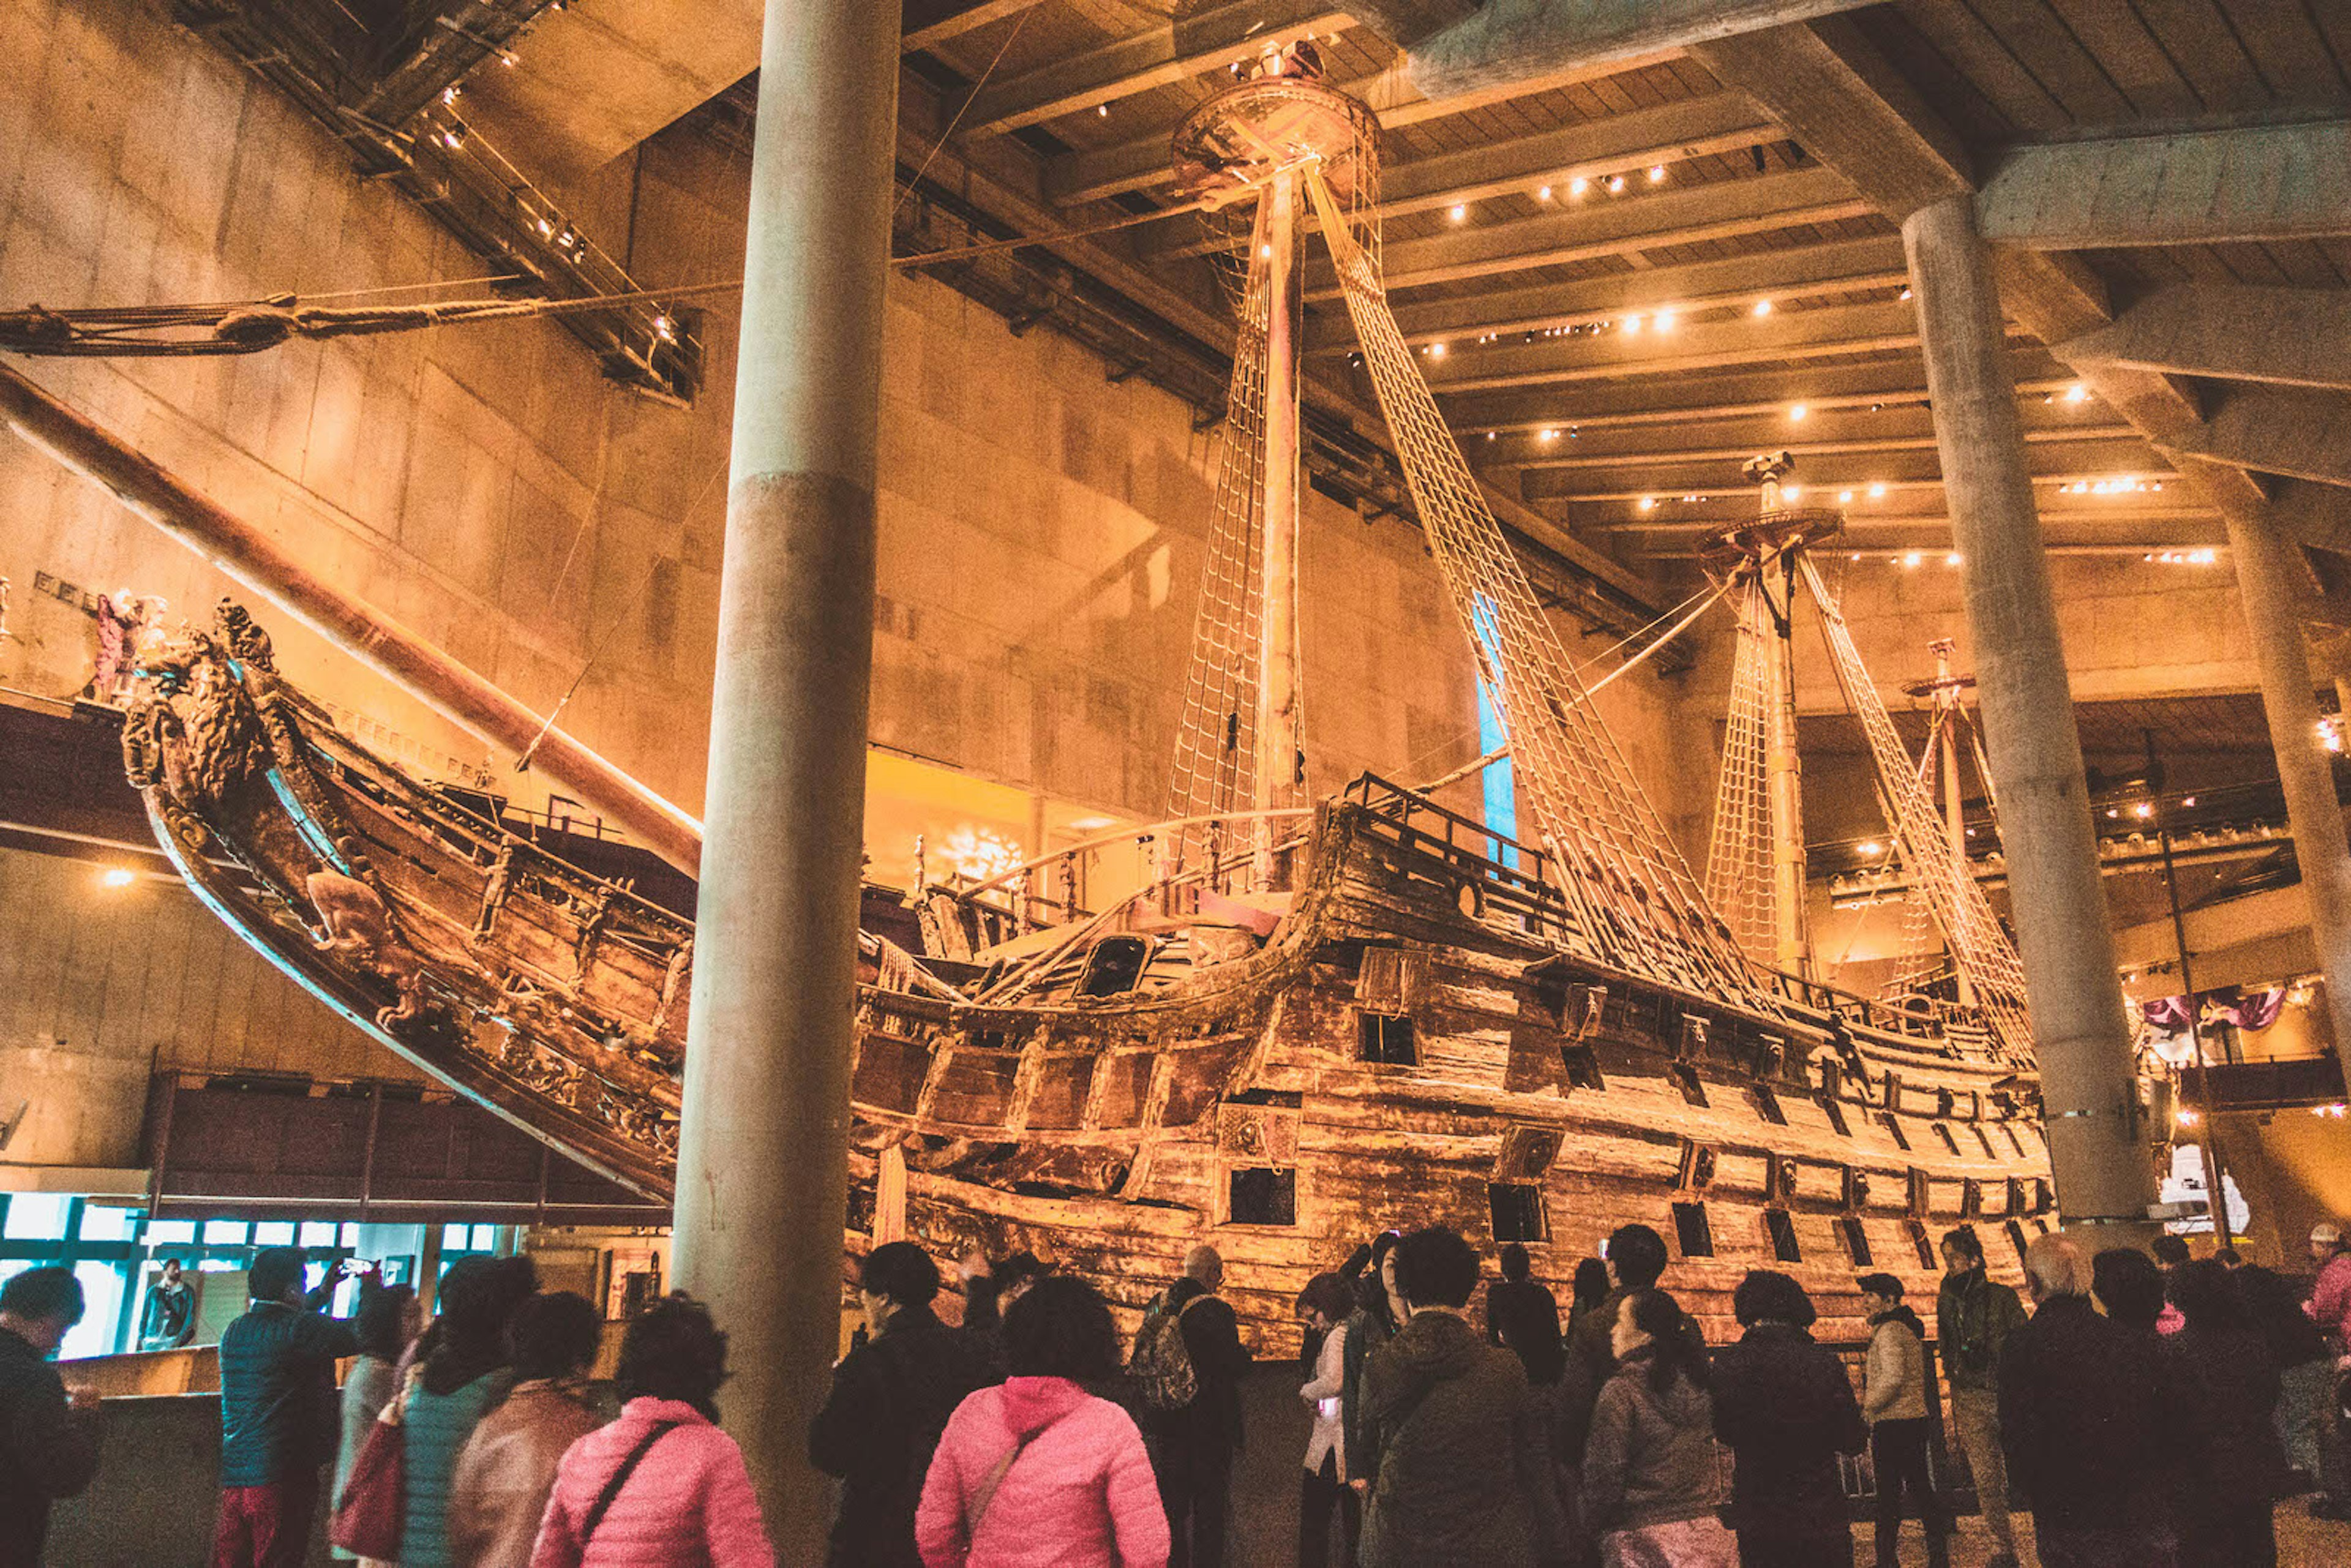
460,1377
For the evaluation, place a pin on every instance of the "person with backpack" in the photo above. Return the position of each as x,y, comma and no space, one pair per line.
662,1485
1187,1366
1894,1398
891,1400
1039,1472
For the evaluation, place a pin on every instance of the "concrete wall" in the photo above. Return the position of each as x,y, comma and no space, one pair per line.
100,986
1041,528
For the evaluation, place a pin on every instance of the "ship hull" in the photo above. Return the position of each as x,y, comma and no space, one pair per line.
1413,1044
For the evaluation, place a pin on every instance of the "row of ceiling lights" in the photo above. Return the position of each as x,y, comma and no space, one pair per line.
1663,319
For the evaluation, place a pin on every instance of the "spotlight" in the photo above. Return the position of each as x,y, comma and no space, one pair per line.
1762,308
1578,185
1797,411
1460,211
1657,173
118,876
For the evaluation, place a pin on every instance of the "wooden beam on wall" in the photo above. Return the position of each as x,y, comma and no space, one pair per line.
2087,463
2188,187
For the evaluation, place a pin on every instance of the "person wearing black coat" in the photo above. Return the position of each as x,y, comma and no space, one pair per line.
890,1402
1784,1406
2306,1370
2230,1388
49,1441
2091,1419
1522,1318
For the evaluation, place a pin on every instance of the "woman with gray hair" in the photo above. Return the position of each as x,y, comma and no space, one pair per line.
2089,1413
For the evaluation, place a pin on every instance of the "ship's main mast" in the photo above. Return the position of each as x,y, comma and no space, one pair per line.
1280,745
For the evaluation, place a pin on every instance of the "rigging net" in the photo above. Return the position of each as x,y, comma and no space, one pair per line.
1633,902
1215,773
1979,944
1738,870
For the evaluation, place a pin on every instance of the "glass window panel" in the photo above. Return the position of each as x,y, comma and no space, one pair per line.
318,1233
486,1238
273,1233
454,1236
108,1223
38,1217
170,1232
101,1289
350,1235
225,1232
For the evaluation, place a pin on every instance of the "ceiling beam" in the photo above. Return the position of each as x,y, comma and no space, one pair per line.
1840,267
1733,395
2230,331
1723,209
2288,431
1507,40
1878,326
1849,108
1144,164
1619,144
927,24
1404,23
2315,515
2188,187
1573,457
1906,426
1168,51
2085,462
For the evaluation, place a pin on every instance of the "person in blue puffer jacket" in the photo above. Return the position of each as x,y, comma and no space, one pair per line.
461,1376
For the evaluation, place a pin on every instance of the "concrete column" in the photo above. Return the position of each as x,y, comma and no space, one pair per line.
2267,581
762,1163
2097,1150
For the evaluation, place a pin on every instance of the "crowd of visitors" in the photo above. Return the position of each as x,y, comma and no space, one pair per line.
2148,1410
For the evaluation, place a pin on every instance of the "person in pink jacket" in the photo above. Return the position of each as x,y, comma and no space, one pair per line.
683,1499
2330,1298
1037,1473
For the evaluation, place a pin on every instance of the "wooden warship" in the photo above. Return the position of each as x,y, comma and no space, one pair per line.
1323,1019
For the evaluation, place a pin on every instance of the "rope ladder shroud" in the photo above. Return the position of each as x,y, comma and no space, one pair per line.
1634,902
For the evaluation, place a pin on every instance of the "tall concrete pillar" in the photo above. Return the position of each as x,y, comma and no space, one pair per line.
761,1170
2089,1090
2267,583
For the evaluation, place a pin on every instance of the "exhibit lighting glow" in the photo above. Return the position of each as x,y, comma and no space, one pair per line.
1844,497
1666,319
1872,847
1648,503
1657,173
1437,351
1632,325
1793,492
1578,185
1797,411
2144,809
1762,308
1911,559
1953,559
1460,210
118,876
1878,492
1543,195
2077,392
1551,435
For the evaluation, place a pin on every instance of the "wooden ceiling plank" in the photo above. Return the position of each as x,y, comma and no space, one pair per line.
1978,54
2140,69
1797,334
949,25
1610,228
1842,268
2034,33
1159,54
2209,54
2288,49
1144,164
